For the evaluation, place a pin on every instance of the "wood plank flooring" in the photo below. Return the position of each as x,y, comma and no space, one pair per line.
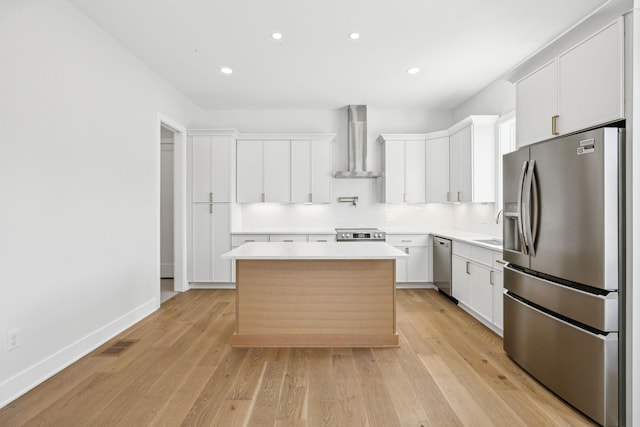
448,371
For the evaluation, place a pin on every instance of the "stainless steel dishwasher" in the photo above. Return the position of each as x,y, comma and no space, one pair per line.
442,264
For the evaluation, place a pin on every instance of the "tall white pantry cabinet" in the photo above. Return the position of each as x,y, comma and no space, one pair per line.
211,156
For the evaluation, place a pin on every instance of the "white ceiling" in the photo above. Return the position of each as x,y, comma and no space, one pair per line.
460,46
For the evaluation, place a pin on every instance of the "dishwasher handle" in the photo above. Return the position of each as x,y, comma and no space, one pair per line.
439,242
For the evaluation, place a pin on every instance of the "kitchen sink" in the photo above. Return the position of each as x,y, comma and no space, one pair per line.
496,242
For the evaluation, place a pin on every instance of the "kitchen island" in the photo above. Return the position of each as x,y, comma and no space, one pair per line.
315,294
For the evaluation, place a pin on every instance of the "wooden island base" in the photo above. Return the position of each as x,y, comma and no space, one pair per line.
315,303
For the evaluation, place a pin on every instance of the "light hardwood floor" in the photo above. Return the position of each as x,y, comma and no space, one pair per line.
449,370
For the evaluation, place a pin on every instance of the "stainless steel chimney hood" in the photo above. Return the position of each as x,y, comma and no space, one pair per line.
357,145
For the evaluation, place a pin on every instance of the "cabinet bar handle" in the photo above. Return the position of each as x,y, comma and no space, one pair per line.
406,250
310,197
459,195
210,197
262,197
468,265
407,241
249,240
404,197
287,240
322,240
491,277
554,125
499,261
448,196
210,208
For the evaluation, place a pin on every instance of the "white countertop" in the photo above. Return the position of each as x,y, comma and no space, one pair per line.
280,231
469,237
313,250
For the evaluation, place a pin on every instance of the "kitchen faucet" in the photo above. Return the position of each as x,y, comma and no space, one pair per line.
498,216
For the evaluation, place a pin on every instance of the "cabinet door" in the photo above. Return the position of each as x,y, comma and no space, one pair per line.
465,162
394,172
402,266
221,168
277,171
437,169
481,291
415,173
321,176
536,104
202,250
418,264
460,279
249,179
201,179
454,167
221,242
498,291
591,87
301,167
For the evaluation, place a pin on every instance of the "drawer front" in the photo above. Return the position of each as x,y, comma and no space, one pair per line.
597,311
241,239
322,237
462,249
288,238
579,366
498,261
482,256
407,240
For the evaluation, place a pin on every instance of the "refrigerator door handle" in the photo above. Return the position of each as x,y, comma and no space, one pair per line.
530,228
525,249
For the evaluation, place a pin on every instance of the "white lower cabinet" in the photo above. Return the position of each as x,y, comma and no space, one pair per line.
414,269
460,279
498,291
209,240
476,280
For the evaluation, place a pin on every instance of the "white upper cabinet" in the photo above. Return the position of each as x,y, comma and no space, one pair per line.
404,168
536,105
591,81
311,171
249,171
415,171
472,160
581,88
210,167
277,171
284,168
437,169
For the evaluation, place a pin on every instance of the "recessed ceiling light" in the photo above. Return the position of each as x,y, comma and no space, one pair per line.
226,70
414,70
354,36
276,36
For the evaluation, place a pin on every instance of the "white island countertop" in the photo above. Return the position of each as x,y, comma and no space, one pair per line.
313,250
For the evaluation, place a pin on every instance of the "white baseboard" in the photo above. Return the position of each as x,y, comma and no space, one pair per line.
212,285
29,378
481,319
416,285
166,270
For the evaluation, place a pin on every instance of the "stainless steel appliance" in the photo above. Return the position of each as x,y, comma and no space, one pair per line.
442,264
562,218
359,235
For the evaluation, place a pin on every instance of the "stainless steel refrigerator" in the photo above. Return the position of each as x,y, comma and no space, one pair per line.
562,231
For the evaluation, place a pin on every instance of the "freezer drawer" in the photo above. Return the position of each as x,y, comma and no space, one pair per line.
597,311
579,366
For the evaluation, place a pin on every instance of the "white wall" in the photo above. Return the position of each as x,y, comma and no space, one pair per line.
78,186
369,211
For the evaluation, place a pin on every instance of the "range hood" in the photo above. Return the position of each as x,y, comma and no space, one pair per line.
357,145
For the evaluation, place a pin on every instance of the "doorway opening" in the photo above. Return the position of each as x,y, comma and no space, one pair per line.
167,229
171,213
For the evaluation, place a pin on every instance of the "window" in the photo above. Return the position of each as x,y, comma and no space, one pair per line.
506,143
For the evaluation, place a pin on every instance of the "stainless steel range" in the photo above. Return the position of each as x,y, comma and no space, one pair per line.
360,235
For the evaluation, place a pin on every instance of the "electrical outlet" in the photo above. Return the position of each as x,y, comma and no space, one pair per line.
13,339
